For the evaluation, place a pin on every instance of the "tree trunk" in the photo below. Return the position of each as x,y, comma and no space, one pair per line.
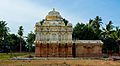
20,45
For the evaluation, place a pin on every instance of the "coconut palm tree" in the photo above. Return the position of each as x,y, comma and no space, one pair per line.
116,34
108,30
109,38
96,24
20,33
3,34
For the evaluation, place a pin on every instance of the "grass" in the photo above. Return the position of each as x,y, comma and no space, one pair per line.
79,62
5,56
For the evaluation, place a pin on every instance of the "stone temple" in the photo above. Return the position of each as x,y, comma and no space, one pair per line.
54,39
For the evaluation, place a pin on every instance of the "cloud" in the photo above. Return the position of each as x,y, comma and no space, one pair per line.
26,13
20,12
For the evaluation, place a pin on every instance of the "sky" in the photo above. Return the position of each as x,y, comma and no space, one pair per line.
27,12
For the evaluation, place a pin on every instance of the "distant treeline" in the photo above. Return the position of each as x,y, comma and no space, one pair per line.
93,30
15,42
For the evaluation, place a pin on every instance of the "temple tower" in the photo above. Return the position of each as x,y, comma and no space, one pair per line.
53,36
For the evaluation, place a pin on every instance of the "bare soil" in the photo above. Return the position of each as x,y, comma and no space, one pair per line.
59,63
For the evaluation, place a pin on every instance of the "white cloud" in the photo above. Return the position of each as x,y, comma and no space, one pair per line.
27,13
20,12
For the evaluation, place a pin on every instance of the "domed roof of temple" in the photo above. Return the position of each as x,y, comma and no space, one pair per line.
53,15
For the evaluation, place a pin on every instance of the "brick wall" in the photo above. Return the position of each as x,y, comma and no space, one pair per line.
53,50
88,50
66,50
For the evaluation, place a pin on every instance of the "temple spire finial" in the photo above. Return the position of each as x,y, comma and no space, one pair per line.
53,9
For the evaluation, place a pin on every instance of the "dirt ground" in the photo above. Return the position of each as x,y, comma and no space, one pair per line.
59,63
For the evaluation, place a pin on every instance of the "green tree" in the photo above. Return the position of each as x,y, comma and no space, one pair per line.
116,34
78,31
108,30
3,34
110,46
20,33
89,33
109,38
13,42
96,24
30,40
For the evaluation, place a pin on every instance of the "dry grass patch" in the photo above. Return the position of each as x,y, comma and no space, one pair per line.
58,63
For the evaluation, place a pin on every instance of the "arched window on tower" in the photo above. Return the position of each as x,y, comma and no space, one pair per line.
66,36
48,37
59,37
54,36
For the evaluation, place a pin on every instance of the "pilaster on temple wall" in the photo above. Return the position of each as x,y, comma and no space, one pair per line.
53,50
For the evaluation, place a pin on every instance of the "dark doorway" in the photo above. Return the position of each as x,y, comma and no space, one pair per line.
74,50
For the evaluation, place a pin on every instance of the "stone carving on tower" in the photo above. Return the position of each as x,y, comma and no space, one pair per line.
53,29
